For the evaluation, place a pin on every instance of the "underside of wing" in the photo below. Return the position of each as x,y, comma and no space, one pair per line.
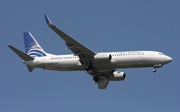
103,82
99,69
102,78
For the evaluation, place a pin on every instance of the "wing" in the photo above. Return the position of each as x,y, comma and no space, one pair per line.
73,45
102,78
84,54
103,82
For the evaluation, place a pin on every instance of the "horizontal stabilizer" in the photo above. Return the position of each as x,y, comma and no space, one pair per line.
21,54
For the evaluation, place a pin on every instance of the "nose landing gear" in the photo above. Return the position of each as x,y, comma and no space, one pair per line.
154,70
156,66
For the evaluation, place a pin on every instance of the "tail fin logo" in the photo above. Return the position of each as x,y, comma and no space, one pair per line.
32,47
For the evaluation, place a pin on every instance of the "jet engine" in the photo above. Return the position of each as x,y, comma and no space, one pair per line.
102,57
117,76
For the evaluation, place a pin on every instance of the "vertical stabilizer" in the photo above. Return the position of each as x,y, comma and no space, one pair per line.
32,47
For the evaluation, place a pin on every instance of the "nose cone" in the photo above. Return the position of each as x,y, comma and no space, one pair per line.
168,59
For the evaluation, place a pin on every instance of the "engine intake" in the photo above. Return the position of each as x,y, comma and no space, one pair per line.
117,76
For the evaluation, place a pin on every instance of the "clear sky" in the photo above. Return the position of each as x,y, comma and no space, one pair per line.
116,25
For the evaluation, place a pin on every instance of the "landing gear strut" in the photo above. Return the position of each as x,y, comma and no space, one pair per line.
156,66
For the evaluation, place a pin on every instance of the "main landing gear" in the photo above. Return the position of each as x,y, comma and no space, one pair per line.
88,67
96,79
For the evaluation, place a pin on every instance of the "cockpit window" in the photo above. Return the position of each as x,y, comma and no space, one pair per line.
161,54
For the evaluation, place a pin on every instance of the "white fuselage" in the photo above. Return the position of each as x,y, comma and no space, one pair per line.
126,59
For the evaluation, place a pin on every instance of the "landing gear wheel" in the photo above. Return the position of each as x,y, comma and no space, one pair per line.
87,68
96,79
154,70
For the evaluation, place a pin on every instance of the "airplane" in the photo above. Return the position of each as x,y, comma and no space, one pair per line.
101,66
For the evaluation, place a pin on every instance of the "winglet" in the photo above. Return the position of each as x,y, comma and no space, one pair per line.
47,19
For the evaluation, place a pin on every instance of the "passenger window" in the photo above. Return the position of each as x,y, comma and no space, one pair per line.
161,54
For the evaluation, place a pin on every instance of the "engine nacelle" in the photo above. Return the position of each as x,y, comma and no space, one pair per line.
117,76
102,57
